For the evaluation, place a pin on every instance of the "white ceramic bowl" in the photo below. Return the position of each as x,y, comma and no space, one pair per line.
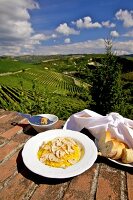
34,121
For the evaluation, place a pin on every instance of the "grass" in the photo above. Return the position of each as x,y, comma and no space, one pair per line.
128,76
12,65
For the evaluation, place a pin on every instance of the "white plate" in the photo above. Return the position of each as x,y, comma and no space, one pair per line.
29,154
116,161
120,163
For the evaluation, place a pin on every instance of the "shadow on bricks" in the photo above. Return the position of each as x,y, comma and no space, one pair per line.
108,162
24,171
27,128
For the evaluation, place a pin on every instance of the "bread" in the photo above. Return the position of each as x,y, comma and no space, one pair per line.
106,146
114,149
119,151
44,121
108,149
127,155
105,137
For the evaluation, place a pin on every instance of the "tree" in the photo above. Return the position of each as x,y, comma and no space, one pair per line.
106,90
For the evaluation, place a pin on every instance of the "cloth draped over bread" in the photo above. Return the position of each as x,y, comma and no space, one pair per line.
119,127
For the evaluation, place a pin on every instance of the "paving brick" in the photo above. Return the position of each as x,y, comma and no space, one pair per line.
109,183
59,124
102,181
7,117
24,121
49,192
21,138
130,186
40,192
11,132
15,189
80,186
2,130
7,122
1,111
9,167
7,149
3,141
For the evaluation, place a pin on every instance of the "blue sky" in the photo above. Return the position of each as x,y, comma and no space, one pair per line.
65,26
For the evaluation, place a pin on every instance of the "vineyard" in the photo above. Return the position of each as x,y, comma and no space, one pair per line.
44,79
39,84
19,89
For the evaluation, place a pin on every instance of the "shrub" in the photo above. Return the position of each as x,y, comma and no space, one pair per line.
107,90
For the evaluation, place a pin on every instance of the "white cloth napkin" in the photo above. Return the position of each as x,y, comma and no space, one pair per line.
120,127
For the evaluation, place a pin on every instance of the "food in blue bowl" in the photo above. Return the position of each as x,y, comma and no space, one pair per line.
43,122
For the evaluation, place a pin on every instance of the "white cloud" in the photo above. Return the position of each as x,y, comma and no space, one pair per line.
121,52
67,40
16,32
17,35
14,19
128,34
54,35
90,46
86,22
114,34
124,46
80,47
108,24
66,30
37,38
125,16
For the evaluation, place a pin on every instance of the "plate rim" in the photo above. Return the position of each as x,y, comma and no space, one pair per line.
70,170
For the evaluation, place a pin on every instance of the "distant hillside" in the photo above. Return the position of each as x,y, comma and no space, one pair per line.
13,65
60,62
130,55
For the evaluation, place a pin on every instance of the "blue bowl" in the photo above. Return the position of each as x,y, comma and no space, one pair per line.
35,122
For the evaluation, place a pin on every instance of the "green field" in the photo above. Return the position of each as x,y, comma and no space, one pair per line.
61,83
59,91
13,65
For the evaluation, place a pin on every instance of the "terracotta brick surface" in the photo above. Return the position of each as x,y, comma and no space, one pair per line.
24,121
80,186
2,130
15,189
40,192
109,183
21,138
130,186
1,111
7,149
103,181
9,167
11,132
48,192
59,124
7,117
3,141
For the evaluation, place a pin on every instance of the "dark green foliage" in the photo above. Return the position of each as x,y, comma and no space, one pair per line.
127,65
37,102
107,87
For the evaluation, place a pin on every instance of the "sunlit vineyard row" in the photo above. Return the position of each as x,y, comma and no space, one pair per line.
43,79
